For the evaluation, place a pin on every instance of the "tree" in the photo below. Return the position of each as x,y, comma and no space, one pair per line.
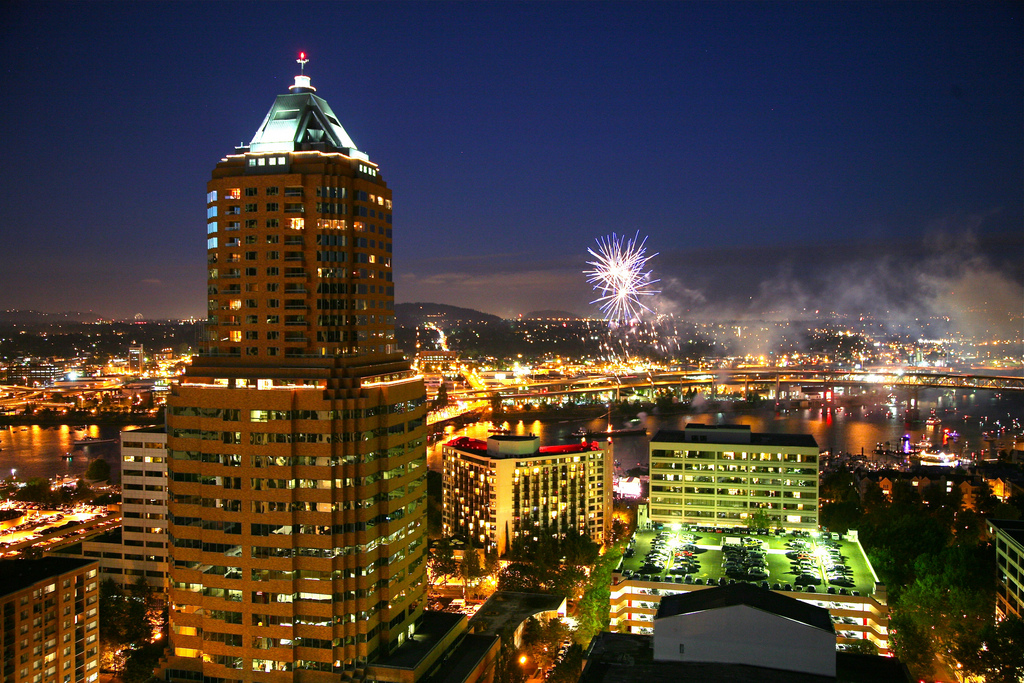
442,559
519,577
441,400
128,620
141,663
98,470
470,568
541,640
507,667
492,563
568,670
998,654
948,604
863,647
760,519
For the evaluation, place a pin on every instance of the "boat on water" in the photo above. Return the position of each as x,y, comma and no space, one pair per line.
92,440
584,433
937,457
627,431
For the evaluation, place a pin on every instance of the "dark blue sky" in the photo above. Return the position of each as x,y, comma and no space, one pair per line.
747,140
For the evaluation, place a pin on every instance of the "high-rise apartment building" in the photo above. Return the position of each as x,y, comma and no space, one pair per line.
510,487
296,439
50,621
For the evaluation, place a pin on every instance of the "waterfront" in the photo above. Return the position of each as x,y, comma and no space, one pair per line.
42,451
836,430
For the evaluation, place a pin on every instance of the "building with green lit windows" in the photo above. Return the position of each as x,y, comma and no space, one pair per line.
719,476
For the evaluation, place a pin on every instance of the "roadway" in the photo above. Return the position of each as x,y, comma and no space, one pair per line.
889,379
479,395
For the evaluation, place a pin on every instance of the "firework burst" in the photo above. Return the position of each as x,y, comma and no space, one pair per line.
618,275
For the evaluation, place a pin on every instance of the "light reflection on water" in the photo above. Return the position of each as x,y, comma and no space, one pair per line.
837,430
41,451
37,451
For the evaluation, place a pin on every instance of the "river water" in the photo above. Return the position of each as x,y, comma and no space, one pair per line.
836,430
37,451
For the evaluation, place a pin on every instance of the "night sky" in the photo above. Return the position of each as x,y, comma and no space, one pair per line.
778,156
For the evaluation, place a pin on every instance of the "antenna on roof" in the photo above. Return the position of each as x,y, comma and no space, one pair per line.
302,83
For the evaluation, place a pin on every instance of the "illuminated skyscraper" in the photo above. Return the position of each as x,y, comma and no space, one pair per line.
296,439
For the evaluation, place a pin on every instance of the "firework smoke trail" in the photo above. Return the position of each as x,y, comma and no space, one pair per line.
619,277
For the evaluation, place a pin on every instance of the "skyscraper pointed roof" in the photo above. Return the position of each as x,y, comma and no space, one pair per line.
301,121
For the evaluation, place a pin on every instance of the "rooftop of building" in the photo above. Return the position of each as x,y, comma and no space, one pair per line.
155,429
479,446
629,658
731,434
464,660
504,611
16,575
300,120
710,558
749,595
1011,528
431,629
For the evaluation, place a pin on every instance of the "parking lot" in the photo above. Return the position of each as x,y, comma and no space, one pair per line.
786,562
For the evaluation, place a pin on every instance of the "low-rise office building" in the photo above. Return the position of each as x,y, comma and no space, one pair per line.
738,633
510,487
857,603
723,475
51,620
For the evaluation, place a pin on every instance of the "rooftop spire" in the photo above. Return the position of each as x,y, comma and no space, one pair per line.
302,83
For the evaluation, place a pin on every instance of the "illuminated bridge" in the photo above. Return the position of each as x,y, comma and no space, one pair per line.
749,377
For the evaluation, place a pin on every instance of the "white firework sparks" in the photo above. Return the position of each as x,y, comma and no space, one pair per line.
619,277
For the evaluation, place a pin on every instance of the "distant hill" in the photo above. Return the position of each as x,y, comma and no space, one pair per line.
38,317
413,315
550,314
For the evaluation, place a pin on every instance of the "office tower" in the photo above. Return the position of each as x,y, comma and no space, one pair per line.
723,475
296,439
50,620
136,358
511,487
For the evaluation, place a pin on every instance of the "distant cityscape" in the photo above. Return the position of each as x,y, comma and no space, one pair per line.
314,483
